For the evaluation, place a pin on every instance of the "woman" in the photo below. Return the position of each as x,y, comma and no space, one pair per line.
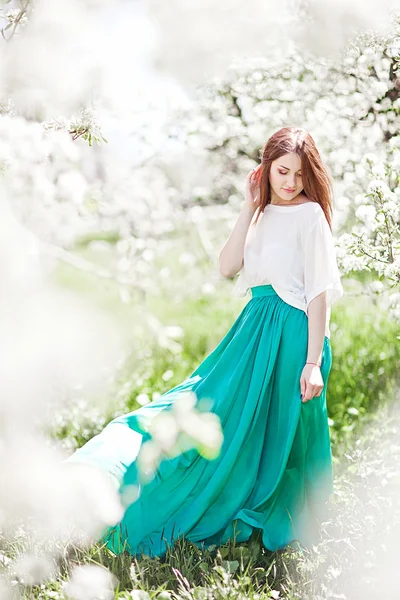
267,378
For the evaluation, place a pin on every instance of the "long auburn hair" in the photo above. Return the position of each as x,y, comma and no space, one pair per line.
317,184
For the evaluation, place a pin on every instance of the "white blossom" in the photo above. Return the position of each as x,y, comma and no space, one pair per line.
377,186
90,582
32,569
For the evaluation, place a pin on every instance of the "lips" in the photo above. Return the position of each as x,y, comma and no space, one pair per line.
290,191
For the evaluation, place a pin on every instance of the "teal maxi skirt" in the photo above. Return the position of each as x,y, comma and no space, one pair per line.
274,471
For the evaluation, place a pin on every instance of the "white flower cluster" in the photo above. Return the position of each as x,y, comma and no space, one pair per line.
177,430
374,243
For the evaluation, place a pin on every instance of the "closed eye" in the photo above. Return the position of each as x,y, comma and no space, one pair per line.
284,173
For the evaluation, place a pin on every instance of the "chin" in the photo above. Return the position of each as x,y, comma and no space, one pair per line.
286,196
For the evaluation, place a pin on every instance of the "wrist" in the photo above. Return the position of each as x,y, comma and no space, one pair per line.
246,206
313,363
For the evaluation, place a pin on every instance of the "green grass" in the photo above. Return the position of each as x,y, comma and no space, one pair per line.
350,561
364,432
365,348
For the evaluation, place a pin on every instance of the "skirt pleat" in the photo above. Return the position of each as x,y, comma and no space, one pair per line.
274,470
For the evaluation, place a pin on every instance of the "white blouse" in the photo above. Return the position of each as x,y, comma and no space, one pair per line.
292,248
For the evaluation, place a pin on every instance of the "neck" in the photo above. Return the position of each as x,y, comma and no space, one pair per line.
275,199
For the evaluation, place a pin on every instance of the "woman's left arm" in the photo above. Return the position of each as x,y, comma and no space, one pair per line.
311,382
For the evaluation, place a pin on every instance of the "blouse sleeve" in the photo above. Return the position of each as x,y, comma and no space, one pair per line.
241,285
321,272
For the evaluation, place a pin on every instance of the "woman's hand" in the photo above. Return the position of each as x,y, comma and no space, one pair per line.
252,189
311,382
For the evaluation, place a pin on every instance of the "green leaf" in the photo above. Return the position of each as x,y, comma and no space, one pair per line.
230,565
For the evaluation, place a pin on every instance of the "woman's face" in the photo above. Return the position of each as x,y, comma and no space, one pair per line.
285,176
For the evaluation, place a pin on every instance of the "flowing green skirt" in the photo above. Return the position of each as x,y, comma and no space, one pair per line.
274,471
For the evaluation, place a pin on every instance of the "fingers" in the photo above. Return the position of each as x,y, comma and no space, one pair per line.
306,390
254,173
311,392
302,386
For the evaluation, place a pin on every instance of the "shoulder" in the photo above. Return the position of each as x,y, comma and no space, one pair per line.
310,206
314,223
313,213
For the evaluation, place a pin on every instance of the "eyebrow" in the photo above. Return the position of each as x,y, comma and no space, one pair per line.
287,168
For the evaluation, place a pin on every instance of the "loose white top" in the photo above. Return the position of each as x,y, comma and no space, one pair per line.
292,248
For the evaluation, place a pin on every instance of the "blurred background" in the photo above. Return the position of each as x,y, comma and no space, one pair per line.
127,128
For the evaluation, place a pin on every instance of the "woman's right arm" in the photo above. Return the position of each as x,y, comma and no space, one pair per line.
231,255
232,252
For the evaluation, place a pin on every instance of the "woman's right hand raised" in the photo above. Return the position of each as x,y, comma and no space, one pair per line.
252,188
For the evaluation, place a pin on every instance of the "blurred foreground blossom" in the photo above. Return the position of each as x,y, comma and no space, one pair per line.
90,582
6,592
57,501
188,425
142,595
234,29
52,343
32,569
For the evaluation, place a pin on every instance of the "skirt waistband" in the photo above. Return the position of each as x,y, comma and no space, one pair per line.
262,290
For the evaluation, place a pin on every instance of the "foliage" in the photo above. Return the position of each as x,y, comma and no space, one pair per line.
354,558
148,220
365,349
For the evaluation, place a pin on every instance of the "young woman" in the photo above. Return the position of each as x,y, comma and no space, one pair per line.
267,378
